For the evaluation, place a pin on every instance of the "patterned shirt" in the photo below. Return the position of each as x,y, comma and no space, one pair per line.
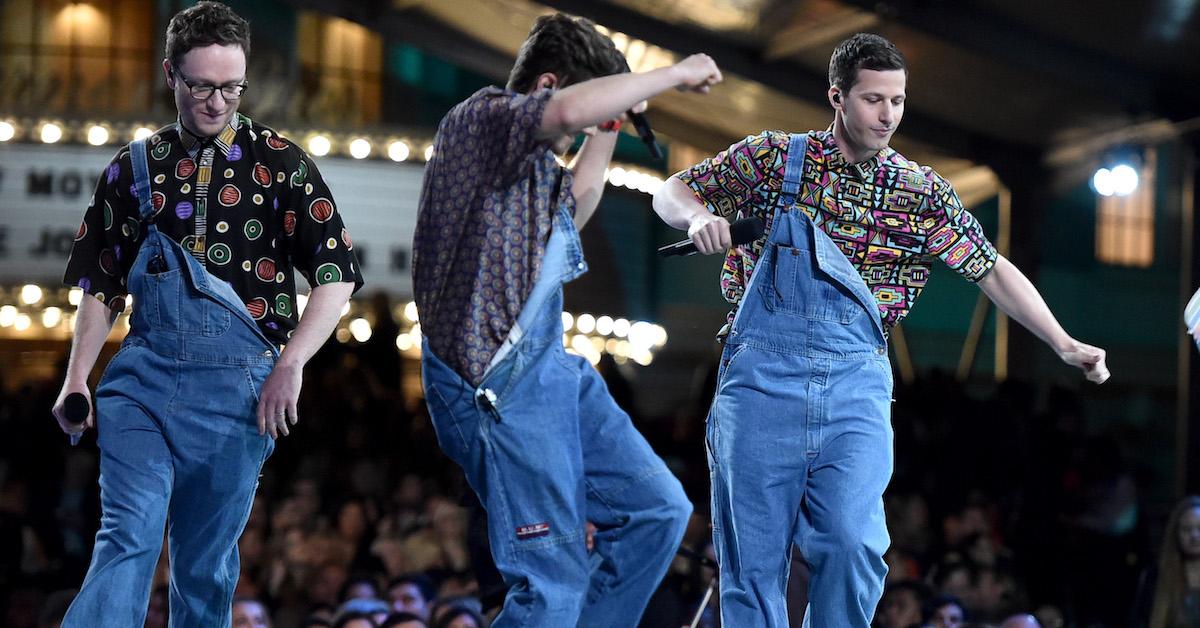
890,216
487,203
249,205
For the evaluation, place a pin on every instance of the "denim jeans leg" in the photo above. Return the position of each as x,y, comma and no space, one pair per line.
218,457
757,445
524,462
842,532
636,503
136,473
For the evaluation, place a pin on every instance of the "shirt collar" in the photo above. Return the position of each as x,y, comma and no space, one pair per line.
863,170
192,143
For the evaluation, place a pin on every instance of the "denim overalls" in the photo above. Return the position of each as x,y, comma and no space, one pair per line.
178,439
546,449
799,437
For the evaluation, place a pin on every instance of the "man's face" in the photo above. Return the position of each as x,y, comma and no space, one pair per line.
214,65
948,616
250,615
871,110
407,598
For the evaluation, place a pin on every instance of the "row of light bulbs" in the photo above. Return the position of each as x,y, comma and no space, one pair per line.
583,334
99,134
318,144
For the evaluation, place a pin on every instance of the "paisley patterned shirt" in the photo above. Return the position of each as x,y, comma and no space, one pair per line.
249,205
490,192
890,216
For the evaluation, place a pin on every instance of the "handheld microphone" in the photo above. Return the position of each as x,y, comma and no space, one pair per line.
740,232
645,132
75,410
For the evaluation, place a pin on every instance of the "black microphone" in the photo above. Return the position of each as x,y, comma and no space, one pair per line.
645,132
75,410
740,232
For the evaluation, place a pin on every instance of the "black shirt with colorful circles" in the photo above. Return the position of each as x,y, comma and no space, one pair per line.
247,204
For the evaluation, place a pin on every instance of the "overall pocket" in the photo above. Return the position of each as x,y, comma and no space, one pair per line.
799,287
172,305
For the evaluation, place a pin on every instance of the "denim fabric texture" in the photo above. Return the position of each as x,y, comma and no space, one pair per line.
546,449
799,435
179,442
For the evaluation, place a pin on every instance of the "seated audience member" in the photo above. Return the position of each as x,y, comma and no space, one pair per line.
250,613
403,620
411,593
457,616
945,611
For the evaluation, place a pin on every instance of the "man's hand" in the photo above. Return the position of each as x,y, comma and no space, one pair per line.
697,73
277,401
1088,358
710,233
60,414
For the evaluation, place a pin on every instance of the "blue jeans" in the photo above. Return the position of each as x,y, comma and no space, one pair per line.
179,445
546,449
799,438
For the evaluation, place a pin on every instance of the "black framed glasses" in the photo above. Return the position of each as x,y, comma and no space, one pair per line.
204,91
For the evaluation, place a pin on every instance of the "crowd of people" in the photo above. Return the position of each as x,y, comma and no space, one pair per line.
1000,506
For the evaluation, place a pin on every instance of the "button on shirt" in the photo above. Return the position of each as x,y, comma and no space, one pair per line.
890,216
247,204
489,195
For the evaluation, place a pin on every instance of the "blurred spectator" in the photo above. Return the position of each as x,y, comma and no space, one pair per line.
900,606
1022,620
411,593
250,613
443,606
459,616
944,611
376,610
403,620
354,620
1173,589
359,587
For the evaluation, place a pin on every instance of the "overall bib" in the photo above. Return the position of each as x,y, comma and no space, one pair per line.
546,449
178,439
799,434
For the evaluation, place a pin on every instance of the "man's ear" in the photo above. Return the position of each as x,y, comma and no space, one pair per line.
835,98
547,80
169,73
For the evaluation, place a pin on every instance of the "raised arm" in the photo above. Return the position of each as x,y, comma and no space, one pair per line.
1013,293
577,107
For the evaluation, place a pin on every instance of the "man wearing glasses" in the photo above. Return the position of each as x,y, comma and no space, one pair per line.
202,224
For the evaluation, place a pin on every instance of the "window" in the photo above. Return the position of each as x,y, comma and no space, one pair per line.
1125,224
70,57
341,71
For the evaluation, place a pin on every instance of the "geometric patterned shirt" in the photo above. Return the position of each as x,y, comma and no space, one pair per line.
888,215
249,205
484,218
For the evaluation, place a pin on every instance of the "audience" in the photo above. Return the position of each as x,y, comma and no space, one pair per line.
1001,514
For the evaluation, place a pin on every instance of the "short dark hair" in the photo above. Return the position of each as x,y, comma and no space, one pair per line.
455,612
423,583
570,48
863,51
938,601
395,619
205,24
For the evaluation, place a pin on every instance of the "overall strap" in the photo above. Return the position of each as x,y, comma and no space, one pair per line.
794,168
141,179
